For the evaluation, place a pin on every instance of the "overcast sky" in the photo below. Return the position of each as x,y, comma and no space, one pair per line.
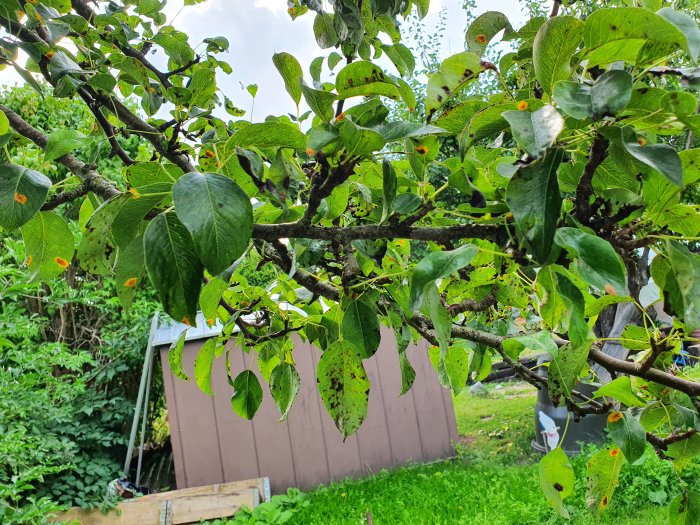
257,31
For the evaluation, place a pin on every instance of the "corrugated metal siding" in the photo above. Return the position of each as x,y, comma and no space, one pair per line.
213,445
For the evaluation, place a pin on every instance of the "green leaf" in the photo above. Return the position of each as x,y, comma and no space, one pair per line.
152,177
408,374
129,271
114,224
292,74
202,366
284,386
661,157
437,265
632,34
175,357
402,57
22,194
686,270
610,94
358,140
4,124
324,31
64,141
453,118
389,185
540,342
247,394
535,132
567,363
684,509
686,24
451,77
343,386
597,261
363,78
218,215
628,434
268,134
635,338
320,102
360,327
482,30
173,266
557,479
554,46
603,474
202,87
534,199
683,452
49,245
392,131
456,363
210,297
620,389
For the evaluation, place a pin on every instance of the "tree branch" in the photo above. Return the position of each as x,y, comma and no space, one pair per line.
87,172
598,153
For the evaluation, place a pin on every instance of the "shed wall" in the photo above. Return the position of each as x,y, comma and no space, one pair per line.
211,444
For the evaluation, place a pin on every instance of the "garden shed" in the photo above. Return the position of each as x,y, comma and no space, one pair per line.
211,444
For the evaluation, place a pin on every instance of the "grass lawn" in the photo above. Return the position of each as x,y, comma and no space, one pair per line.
493,480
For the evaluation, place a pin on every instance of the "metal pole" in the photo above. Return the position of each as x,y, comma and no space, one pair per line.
139,400
143,421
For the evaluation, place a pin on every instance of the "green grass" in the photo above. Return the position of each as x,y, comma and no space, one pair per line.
492,481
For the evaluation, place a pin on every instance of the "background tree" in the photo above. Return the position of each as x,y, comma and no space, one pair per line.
580,160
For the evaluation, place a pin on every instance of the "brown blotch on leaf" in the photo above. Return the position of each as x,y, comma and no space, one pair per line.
558,487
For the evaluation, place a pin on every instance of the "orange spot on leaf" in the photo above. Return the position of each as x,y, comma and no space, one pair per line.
615,417
422,150
522,105
61,262
615,452
131,282
29,261
311,152
481,39
21,198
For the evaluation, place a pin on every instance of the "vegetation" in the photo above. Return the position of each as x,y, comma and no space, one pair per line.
517,205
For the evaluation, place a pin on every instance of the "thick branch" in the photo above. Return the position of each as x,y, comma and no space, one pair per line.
87,172
271,232
470,305
663,443
598,153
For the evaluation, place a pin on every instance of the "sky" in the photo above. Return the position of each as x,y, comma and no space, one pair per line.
256,29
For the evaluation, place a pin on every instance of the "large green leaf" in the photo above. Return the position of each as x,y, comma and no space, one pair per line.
451,77
267,134
22,193
557,479
364,78
435,266
684,509
633,34
567,363
620,389
114,224
554,46
535,132
686,24
484,28
456,365
173,266
360,327
210,297
683,452
202,366
152,177
291,72
534,199
389,185
597,261
218,215
320,102
603,474
358,140
129,271
284,386
49,245
175,357
247,394
64,141
343,386
686,271
609,95
628,434
324,31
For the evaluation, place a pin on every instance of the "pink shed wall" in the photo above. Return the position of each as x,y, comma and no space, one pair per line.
213,445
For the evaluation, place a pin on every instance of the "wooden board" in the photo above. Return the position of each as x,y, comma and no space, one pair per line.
184,506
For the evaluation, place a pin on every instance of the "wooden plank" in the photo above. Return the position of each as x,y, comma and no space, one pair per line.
188,505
